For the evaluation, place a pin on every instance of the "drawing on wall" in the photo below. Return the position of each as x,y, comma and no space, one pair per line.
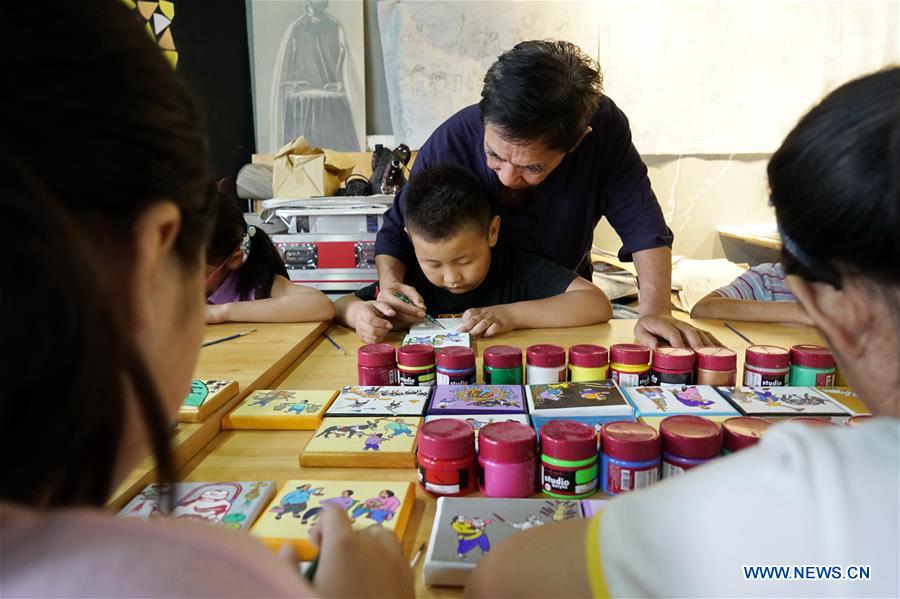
436,53
307,68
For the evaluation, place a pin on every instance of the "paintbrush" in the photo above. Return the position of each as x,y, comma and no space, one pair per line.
738,333
415,558
228,338
335,344
428,317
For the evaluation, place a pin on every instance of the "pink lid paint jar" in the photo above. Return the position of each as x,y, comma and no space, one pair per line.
742,432
456,366
415,365
812,366
446,457
629,457
588,363
766,366
376,365
544,364
672,366
812,421
568,459
507,462
629,364
502,365
716,366
687,442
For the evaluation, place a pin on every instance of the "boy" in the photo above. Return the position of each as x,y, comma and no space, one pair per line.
459,268
758,295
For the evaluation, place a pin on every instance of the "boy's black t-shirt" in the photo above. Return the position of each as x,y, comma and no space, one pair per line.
514,276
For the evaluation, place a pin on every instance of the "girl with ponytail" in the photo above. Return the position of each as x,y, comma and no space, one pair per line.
246,280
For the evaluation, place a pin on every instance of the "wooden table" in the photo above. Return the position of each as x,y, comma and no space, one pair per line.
254,361
273,455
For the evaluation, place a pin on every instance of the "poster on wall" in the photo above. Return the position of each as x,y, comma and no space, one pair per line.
307,67
436,53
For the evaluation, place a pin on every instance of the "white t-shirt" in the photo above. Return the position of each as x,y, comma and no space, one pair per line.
827,498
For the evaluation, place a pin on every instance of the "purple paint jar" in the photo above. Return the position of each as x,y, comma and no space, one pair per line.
376,365
507,462
687,442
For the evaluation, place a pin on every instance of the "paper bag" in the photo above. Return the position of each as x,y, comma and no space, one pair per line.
301,171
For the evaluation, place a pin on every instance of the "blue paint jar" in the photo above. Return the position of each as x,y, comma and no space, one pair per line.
629,457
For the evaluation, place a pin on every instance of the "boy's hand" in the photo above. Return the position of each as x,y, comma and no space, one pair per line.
365,563
487,322
406,314
370,319
216,314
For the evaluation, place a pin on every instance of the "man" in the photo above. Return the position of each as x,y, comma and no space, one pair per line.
557,156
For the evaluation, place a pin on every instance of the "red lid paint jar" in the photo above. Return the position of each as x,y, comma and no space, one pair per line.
629,364
687,442
672,366
446,457
716,366
742,432
415,365
766,366
629,457
456,366
376,365
502,365
568,459
812,366
544,364
858,420
588,363
507,460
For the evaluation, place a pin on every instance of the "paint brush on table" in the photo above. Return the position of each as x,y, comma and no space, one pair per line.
428,317
335,344
415,558
228,338
738,333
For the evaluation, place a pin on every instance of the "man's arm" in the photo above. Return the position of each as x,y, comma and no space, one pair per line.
656,326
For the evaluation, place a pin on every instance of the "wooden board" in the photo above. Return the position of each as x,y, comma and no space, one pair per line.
281,409
367,442
205,397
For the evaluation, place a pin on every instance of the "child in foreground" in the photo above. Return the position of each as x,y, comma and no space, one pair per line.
758,295
246,280
459,268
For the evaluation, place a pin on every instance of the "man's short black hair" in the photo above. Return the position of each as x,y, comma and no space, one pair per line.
441,200
542,90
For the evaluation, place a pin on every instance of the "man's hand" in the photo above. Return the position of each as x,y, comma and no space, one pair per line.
371,320
487,322
654,330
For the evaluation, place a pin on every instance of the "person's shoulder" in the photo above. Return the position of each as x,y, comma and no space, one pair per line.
54,550
465,124
608,115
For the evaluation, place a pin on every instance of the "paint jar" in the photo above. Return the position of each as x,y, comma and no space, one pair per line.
672,366
456,366
742,432
812,421
568,459
716,366
687,442
629,457
415,365
858,420
544,364
588,363
766,366
812,366
629,364
376,365
446,457
502,365
507,462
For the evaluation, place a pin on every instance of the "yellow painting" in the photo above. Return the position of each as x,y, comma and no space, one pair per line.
299,503
368,442
280,409
205,396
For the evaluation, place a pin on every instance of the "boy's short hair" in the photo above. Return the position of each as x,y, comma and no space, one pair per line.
441,200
